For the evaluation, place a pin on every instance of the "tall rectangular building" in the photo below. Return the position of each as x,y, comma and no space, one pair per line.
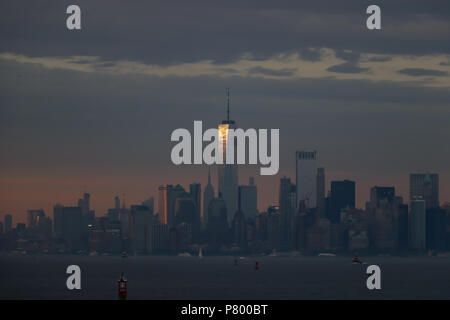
33,217
68,226
321,192
306,177
84,204
382,196
164,203
140,220
124,218
248,199
342,196
228,173
195,190
287,205
417,225
8,223
208,195
425,186
383,218
158,238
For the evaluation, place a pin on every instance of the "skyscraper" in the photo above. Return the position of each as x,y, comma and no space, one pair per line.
8,223
163,202
185,210
417,224
342,196
273,227
117,204
239,230
84,203
217,227
227,173
208,195
88,216
383,210
403,227
306,177
113,213
68,226
382,196
299,223
33,217
287,205
195,191
124,218
321,192
158,238
166,202
425,185
141,220
248,199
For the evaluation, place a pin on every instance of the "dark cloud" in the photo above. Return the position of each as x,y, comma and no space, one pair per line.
310,54
161,32
285,72
417,72
347,67
380,59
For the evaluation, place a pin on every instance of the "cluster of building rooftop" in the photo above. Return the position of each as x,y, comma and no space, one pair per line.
305,219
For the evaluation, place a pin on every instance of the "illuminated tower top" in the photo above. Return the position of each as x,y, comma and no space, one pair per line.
223,129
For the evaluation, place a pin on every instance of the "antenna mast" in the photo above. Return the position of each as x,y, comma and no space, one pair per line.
228,104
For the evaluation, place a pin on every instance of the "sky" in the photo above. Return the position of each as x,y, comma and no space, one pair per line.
92,110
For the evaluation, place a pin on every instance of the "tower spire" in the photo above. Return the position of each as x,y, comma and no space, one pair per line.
228,104
228,120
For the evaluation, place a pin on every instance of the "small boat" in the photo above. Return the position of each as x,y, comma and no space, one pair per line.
356,260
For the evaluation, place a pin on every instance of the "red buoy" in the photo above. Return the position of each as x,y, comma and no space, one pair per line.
256,265
122,287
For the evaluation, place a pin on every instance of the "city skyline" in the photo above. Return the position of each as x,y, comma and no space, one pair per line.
386,224
110,202
92,109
